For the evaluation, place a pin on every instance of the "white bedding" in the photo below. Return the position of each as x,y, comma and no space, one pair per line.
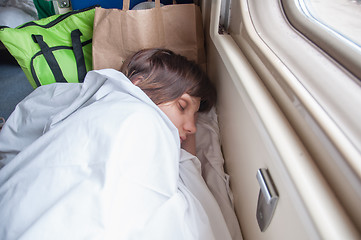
16,12
100,161
209,153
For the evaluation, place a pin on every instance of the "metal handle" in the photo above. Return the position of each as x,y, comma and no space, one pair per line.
267,199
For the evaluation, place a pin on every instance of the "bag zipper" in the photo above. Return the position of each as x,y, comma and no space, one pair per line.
58,19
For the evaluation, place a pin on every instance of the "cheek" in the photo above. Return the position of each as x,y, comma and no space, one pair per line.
172,114
174,118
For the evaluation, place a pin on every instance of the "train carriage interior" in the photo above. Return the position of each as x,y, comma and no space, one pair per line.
288,130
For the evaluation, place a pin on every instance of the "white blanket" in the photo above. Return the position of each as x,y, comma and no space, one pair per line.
100,160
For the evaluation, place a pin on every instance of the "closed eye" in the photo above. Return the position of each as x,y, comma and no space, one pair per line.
181,107
182,104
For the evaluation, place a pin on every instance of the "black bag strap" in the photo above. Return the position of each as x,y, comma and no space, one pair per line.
78,53
52,62
50,59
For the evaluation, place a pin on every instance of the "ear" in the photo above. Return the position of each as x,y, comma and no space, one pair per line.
137,80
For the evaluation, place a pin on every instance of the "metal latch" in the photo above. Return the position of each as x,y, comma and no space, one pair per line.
267,199
63,3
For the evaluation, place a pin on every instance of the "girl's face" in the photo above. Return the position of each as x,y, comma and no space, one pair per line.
182,112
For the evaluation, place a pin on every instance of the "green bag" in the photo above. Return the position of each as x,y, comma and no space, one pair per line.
53,49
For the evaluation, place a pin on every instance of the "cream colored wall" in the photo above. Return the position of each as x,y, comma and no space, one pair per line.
256,134
247,148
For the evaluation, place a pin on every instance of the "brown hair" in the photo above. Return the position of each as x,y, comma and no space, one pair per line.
165,76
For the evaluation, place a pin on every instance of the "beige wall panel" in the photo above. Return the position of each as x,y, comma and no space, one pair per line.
245,152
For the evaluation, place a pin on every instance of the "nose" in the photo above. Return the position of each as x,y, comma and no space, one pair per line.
190,126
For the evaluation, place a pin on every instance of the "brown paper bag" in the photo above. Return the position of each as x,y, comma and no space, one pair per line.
119,33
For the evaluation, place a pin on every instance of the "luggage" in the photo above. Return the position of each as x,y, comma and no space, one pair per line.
53,49
120,33
79,4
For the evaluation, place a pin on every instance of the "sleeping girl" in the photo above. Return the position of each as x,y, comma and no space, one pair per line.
103,159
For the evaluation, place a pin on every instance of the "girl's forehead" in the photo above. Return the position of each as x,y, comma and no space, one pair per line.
192,99
196,102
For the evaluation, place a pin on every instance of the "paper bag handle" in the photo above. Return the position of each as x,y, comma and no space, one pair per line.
126,4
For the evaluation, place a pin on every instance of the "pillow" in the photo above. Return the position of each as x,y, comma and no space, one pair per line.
53,49
208,145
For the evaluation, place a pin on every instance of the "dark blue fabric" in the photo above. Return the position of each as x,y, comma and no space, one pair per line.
14,86
80,4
